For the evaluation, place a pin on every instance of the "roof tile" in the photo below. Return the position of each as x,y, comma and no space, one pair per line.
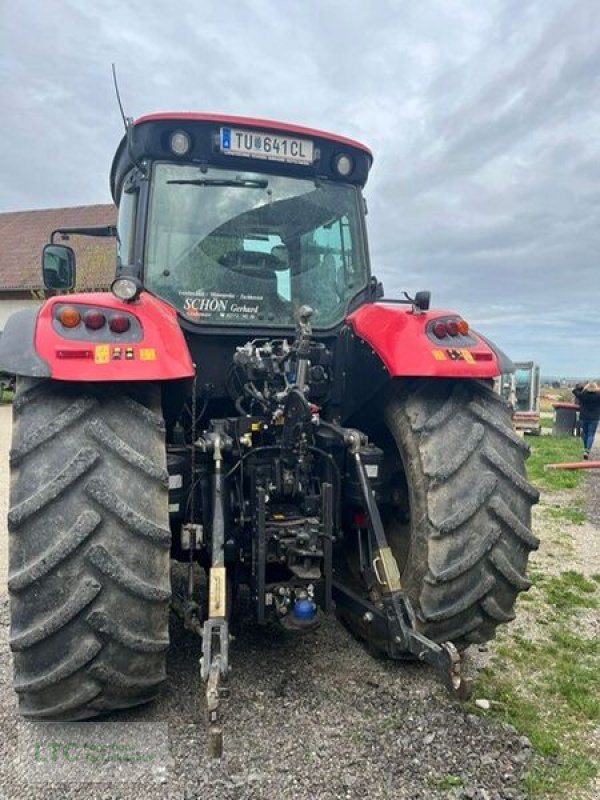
24,233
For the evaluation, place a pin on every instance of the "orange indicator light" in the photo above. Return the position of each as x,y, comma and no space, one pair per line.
69,317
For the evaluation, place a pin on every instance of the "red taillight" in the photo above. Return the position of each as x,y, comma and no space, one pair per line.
94,320
452,327
119,324
440,330
69,317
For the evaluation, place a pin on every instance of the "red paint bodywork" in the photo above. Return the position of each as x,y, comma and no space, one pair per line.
397,335
162,338
251,122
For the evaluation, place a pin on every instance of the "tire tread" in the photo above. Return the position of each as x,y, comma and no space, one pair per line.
89,547
467,559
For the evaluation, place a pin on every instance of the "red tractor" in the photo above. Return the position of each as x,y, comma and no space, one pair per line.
246,399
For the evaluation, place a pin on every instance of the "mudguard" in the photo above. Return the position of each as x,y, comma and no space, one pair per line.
17,349
404,341
35,344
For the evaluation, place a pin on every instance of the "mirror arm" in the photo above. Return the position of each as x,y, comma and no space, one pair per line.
99,230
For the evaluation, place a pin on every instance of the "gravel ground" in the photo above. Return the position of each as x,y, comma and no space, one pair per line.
314,717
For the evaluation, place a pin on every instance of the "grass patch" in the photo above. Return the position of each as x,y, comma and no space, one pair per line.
574,515
554,450
571,769
448,781
569,590
549,689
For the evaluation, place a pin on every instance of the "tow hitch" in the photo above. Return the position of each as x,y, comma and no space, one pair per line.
391,617
214,669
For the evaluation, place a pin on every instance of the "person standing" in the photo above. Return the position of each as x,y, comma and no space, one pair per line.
588,399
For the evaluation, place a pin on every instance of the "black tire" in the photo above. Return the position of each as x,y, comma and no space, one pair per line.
89,545
462,529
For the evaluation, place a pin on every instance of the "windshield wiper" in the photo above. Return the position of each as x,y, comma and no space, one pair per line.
244,183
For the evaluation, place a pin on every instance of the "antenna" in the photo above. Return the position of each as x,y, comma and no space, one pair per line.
128,123
126,120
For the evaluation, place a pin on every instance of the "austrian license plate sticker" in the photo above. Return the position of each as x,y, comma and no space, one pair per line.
253,144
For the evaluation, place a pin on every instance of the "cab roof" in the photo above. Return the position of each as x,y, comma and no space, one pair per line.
150,132
252,122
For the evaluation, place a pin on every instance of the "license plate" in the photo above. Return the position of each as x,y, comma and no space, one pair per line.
238,142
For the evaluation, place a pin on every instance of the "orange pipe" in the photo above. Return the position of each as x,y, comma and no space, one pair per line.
575,465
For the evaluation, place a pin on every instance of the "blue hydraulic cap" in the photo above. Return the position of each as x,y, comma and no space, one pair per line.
305,610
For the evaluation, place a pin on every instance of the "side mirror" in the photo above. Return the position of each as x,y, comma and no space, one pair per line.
58,266
375,289
422,300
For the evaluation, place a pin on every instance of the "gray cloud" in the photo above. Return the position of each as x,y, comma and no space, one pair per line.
483,120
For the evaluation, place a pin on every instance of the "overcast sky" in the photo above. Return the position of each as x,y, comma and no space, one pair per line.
484,119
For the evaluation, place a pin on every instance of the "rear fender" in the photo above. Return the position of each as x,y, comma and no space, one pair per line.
403,340
35,343
17,346
390,341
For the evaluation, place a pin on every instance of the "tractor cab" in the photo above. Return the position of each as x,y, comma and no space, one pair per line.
239,222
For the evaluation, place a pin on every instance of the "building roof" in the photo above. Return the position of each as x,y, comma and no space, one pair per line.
24,233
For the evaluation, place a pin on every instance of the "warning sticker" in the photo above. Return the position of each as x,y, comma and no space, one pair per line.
102,354
147,354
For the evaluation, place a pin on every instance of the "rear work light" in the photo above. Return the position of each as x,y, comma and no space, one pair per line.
69,317
126,288
119,323
344,165
94,320
180,143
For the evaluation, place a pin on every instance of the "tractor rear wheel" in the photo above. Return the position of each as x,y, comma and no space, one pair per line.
88,548
458,516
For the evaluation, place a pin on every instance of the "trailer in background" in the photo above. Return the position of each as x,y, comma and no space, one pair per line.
521,389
